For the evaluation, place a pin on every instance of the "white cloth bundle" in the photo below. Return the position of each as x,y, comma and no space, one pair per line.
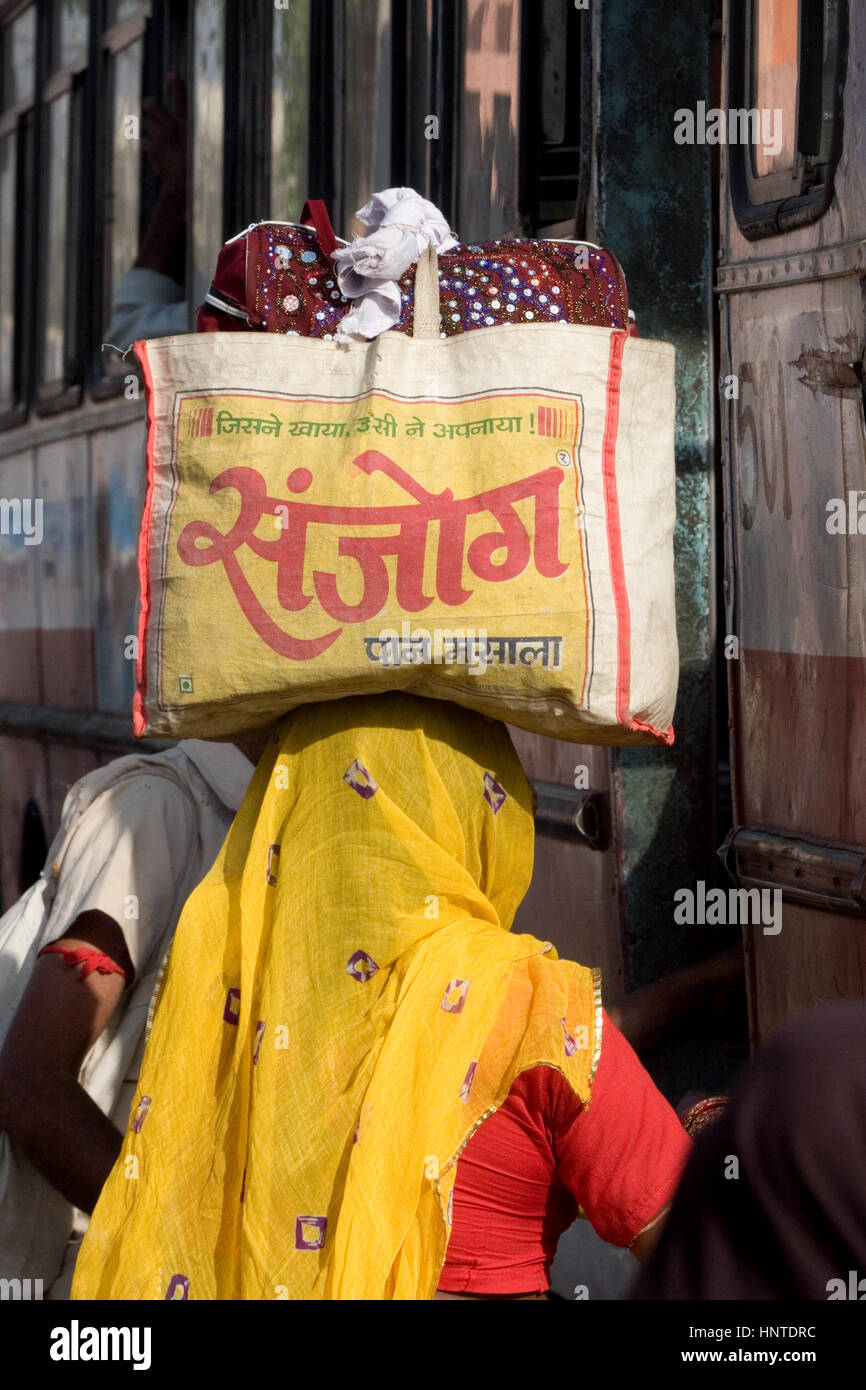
405,225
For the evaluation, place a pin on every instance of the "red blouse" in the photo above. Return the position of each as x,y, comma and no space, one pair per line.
523,1173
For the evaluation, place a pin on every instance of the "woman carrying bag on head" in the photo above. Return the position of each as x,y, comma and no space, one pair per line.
359,1084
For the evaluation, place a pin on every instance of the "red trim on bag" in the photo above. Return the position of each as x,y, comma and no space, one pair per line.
139,721
614,536
614,540
666,735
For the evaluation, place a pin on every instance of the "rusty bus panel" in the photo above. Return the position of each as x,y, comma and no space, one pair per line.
793,343
817,958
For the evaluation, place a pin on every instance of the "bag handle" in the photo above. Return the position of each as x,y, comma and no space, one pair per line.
426,323
315,212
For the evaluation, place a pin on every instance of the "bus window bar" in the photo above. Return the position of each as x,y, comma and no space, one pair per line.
100,731
571,815
818,873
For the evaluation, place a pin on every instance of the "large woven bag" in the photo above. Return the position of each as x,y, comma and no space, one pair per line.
485,517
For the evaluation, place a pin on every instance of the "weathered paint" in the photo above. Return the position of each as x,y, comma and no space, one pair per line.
66,605
793,333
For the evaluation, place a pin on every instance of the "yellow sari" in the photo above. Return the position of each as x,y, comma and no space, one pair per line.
344,1005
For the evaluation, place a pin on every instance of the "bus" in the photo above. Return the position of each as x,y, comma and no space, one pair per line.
634,124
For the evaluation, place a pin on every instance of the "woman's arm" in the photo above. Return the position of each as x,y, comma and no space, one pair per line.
645,1241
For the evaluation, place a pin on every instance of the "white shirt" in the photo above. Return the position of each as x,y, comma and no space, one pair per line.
147,304
135,839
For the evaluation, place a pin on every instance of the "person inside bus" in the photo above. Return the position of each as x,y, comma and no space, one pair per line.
347,1020
150,301
79,954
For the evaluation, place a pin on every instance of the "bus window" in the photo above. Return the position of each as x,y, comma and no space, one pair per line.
118,10
555,118
122,46
367,106
139,249
58,367
488,121
70,28
425,56
787,66
17,96
290,95
775,40
207,111
19,58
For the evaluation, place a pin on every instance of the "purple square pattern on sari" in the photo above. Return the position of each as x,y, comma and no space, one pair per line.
494,794
467,1081
361,967
232,1010
140,1115
310,1232
455,996
360,780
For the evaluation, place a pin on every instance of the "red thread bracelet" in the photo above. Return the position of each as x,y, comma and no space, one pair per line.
87,957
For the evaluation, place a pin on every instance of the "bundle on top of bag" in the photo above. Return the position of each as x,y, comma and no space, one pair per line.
483,516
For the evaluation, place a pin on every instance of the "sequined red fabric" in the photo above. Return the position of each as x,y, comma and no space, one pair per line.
277,278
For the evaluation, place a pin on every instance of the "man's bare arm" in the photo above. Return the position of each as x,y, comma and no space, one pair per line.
43,1109
650,1015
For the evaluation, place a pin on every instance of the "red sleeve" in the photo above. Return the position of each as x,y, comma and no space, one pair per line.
622,1157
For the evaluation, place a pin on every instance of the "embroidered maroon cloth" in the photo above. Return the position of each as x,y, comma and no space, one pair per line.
278,277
